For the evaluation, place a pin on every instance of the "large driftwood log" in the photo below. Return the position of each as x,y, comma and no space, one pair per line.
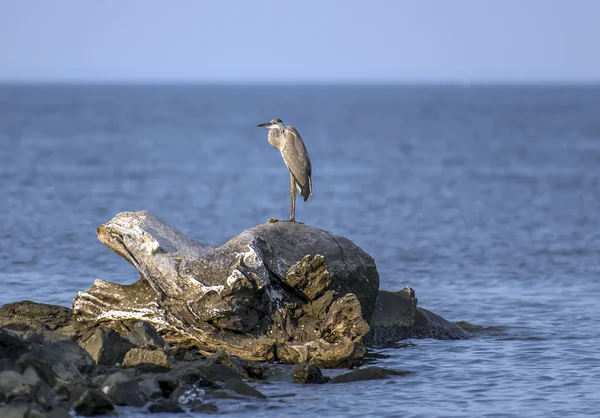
280,291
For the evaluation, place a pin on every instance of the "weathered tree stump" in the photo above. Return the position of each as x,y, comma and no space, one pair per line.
280,291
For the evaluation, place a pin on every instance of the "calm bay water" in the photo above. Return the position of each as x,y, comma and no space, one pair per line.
485,200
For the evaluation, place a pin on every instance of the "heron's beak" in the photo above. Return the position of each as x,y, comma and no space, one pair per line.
264,125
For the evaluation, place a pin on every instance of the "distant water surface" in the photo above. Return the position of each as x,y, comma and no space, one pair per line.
486,200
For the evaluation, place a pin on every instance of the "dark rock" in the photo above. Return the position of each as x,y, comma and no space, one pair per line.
126,393
7,364
206,408
245,296
38,365
12,346
202,372
167,385
108,383
21,410
105,346
13,385
150,389
165,405
69,361
308,373
234,364
58,413
146,359
256,370
397,317
367,373
43,396
92,402
238,386
144,335
39,316
187,394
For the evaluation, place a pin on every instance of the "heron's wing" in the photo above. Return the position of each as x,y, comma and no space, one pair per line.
297,160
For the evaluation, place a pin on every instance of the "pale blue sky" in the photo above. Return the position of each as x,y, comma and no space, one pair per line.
308,40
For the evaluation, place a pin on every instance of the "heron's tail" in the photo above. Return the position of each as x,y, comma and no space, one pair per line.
306,190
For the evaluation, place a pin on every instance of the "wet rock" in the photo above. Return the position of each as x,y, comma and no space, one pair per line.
308,373
92,402
36,367
367,373
21,410
105,346
234,364
165,405
144,335
126,393
13,385
397,317
187,394
205,408
69,361
58,413
256,370
39,317
108,383
12,346
146,359
202,372
150,389
245,296
238,386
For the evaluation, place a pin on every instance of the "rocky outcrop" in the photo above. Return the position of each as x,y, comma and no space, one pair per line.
397,317
280,291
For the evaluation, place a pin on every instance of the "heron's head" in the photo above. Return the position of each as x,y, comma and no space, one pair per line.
274,124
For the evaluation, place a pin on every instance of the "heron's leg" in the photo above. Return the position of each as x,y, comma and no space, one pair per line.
292,198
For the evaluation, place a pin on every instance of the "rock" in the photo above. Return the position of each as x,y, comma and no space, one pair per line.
150,389
13,385
165,405
205,408
256,370
397,317
234,364
108,383
144,335
69,361
58,413
105,346
20,410
246,296
367,373
154,360
33,364
12,346
40,317
92,402
187,394
308,373
202,372
43,396
238,386
126,393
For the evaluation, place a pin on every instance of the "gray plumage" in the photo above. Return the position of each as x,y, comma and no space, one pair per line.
289,142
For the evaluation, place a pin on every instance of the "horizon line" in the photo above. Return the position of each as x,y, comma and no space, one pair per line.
323,82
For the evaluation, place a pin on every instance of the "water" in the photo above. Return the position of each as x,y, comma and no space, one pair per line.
485,200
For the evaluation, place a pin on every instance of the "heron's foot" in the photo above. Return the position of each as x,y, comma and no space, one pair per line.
273,220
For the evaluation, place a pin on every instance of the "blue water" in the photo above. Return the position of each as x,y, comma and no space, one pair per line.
486,200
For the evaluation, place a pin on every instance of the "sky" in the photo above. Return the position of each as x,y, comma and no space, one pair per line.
463,41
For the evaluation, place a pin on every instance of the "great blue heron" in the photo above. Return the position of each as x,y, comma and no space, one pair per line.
288,141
